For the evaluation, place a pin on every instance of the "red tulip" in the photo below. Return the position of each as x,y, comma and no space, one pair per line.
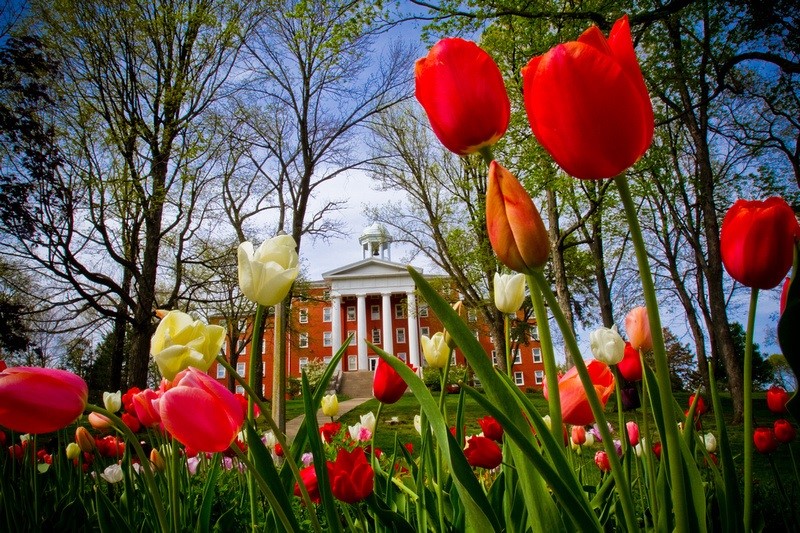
757,241
764,440
387,386
784,431
588,105
329,430
575,407
784,295
491,428
516,231
483,452
602,461
657,450
463,94
578,435
776,399
200,412
352,478
701,408
145,404
131,421
637,326
40,400
630,367
308,476
3,365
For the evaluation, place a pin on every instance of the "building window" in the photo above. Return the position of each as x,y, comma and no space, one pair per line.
373,363
538,377
263,346
352,335
239,389
537,355
535,332
352,362
327,314
241,369
302,363
400,335
220,371
476,382
327,338
263,369
399,311
477,335
425,330
494,357
375,312
376,336
471,315
326,295
351,313
517,356
423,311
303,341
401,356
304,316
327,360
519,378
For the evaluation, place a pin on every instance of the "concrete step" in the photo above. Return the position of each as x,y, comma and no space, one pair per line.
357,384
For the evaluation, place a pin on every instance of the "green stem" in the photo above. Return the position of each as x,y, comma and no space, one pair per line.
623,431
143,458
279,511
747,385
672,442
507,343
622,488
443,372
254,361
647,449
173,483
548,357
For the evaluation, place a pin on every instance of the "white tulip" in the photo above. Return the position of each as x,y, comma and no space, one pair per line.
607,345
509,292
267,274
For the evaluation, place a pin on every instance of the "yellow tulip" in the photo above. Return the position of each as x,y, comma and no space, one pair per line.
330,405
180,342
435,350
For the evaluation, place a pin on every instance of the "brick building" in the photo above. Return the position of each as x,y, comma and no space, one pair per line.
373,299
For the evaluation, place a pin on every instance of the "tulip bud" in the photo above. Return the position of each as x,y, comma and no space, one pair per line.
157,460
330,405
516,231
84,439
435,350
784,431
764,440
578,435
633,432
418,424
40,400
710,442
181,342
776,399
112,401
509,292
112,473
637,326
73,451
602,461
589,438
368,421
607,345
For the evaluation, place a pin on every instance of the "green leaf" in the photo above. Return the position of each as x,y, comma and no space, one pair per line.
788,338
204,516
730,500
108,516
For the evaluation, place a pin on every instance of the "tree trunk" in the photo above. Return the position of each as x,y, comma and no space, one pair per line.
603,290
559,268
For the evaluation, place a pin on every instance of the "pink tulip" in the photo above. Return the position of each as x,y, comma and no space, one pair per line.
40,400
200,412
633,432
145,403
637,326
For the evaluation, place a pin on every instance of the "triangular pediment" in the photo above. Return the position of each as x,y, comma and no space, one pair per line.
367,268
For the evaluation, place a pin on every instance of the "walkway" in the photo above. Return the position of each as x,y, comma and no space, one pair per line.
293,425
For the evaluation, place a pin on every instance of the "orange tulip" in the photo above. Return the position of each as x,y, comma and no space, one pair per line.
40,400
463,94
515,228
200,412
588,105
575,407
637,326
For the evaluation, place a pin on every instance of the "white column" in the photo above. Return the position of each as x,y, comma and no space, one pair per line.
361,321
413,331
336,323
386,321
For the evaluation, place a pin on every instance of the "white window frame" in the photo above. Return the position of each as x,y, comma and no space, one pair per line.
375,312
402,356
351,313
302,316
494,357
422,312
537,355
472,316
352,362
239,389
400,335
517,354
221,372
373,363
327,338
425,330
241,369
399,311
519,379
352,335
327,314
538,377
302,340
326,295
376,335
477,335
535,332
301,364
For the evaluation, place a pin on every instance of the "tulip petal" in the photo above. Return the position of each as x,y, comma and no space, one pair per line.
40,400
